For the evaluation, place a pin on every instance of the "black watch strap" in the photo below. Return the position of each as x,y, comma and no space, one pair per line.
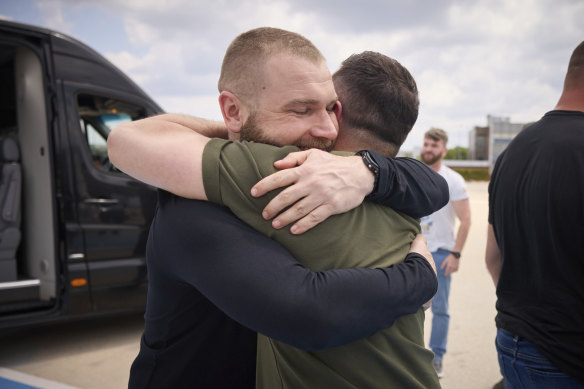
456,254
371,165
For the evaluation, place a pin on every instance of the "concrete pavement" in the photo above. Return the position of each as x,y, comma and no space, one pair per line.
471,358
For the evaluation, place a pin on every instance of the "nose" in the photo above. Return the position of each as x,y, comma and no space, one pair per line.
325,126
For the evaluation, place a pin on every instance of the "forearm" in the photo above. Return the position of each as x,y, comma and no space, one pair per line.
321,185
462,211
320,310
259,284
461,235
162,152
409,186
205,127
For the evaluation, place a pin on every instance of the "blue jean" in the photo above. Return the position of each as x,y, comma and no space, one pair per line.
440,316
523,366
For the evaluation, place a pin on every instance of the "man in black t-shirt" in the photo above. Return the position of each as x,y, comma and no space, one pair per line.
535,245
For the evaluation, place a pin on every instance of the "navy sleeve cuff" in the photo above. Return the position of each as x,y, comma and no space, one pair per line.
409,186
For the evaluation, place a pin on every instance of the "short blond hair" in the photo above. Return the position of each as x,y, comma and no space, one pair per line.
437,134
242,68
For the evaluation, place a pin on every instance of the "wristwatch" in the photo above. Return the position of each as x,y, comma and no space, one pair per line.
371,165
456,254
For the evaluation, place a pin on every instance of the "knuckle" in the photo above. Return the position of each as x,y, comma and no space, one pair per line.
299,209
338,203
284,197
287,217
310,167
315,216
276,178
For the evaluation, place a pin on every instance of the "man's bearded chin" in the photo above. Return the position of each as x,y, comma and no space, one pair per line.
429,159
315,143
252,132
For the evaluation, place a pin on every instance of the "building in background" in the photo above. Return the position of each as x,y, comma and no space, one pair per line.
485,144
478,144
501,133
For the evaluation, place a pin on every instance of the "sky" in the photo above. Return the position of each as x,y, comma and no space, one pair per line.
470,59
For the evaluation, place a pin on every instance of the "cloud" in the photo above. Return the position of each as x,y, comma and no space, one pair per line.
52,16
140,33
470,59
205,106
168,64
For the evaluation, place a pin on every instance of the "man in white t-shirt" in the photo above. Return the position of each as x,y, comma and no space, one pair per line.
442,242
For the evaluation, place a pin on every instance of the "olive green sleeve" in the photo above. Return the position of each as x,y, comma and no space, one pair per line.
211,155
230,169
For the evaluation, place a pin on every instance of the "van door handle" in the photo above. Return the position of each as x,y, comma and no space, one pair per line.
101,201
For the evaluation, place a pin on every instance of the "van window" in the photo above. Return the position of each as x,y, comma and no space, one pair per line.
98,116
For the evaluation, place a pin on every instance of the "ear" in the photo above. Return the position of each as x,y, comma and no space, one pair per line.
233,110
338,110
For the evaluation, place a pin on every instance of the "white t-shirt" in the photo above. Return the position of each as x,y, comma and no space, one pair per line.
439,226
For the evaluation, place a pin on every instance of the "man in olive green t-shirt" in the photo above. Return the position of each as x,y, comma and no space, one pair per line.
368,236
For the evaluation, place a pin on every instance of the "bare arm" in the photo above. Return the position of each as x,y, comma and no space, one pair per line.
164,151
462,211
493,255
205,127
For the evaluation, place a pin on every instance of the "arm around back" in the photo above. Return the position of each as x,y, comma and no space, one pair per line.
161,151
323,184
258,283
409,186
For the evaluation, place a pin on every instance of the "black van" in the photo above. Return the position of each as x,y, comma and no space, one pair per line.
72,228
